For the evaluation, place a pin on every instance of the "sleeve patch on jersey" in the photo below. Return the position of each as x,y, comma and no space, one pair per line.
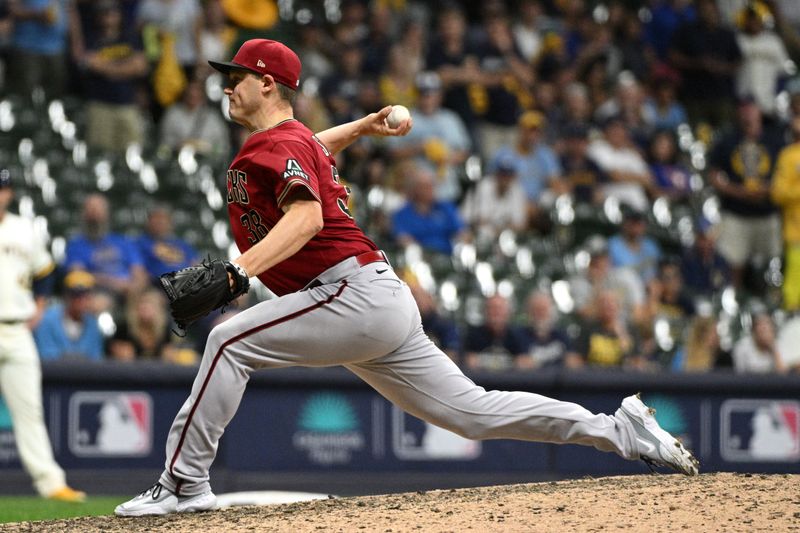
294,170
291,185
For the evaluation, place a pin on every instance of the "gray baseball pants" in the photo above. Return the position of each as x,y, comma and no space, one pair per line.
364,318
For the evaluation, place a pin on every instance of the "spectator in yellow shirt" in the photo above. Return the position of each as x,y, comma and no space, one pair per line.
785,193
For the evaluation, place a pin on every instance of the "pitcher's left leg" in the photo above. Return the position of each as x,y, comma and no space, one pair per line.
423,381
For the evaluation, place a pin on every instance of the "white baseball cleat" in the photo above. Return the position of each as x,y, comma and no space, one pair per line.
656,446
158,500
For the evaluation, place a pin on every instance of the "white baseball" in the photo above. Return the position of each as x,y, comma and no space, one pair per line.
398,114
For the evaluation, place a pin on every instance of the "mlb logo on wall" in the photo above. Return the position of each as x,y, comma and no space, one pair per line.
760,431
110,424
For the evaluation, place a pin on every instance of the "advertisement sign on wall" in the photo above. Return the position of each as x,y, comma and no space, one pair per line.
110,424
755,430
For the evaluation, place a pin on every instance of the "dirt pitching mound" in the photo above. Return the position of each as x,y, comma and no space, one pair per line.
711,502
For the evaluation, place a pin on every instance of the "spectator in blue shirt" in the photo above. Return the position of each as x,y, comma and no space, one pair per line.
113,259
39,45
439,138
632,248
161,250
70,330
537,164
434,225
662,110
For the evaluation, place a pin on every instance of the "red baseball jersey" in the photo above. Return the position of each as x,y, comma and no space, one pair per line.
271,164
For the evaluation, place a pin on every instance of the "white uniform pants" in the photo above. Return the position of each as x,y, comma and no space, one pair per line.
21,387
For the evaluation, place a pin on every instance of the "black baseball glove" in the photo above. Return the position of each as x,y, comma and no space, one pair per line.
197,290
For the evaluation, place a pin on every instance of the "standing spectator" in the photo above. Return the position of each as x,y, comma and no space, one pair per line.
439,138
216,36
757,352
704,270
637,54
6,30
708,57
25,280
39,45
192,122
497,202
582,177
528,29
454,61
376,44
538,166
764,58
397,82
496,344
785,193
181,19
740,170
666,17
113,64
70,330
618,156
632,248
506,80
161,250
433,224
113,259
609,341
339,90
548,345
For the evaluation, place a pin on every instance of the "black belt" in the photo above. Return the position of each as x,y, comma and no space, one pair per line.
367,258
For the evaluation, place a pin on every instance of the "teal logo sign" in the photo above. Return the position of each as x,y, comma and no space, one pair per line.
8,446
668,414
5,416
328,429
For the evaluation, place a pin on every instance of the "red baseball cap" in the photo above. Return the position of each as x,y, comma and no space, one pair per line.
263,56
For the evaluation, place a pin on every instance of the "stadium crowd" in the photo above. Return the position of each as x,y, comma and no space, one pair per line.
605,184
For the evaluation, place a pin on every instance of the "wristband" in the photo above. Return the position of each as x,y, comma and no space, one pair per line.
240,270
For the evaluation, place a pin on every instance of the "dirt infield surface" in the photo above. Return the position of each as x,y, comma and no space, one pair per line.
711,502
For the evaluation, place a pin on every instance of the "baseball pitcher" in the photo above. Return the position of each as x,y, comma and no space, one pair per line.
340,303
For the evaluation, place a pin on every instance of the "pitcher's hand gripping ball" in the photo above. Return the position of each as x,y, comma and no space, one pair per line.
197,290
398,114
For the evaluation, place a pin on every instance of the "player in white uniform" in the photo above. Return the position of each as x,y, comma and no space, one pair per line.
25,264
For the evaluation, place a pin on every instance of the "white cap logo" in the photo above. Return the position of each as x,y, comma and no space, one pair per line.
261,64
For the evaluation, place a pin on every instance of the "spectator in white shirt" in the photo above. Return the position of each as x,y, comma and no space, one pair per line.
617,155
497,202
764,58
757,353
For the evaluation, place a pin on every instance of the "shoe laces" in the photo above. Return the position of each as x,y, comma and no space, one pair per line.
155,491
